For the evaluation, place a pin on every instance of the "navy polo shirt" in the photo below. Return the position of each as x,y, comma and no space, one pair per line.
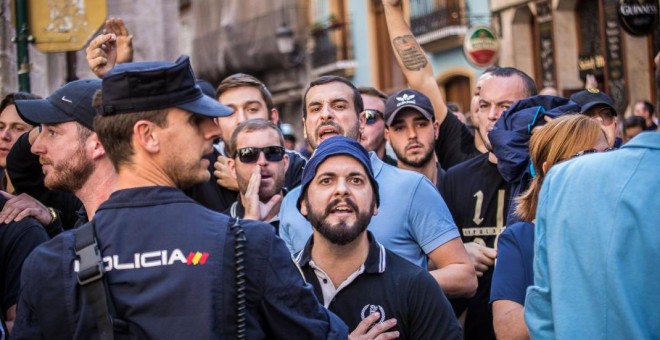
393,287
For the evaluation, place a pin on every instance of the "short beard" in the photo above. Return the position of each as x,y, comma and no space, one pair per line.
418,164
72,175
340,234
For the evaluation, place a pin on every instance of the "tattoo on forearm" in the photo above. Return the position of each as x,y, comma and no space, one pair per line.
410,52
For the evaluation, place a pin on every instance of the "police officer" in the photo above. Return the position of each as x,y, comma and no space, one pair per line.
170,265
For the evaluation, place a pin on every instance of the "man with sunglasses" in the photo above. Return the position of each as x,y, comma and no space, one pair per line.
250,99
257,157
599,106
372,123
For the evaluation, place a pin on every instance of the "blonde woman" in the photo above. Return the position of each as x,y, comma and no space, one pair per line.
559,140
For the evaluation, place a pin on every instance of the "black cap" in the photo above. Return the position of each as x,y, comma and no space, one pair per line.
71,102
155,85
591,97
408,99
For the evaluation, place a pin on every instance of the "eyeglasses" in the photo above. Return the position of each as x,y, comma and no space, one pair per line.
251,154
586,152
606,115
371,116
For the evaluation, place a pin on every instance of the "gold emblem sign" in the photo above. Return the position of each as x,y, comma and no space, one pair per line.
65,25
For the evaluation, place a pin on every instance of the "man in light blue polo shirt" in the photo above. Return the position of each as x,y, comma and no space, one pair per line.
413,220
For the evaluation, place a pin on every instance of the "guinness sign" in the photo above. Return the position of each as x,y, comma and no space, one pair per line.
638,17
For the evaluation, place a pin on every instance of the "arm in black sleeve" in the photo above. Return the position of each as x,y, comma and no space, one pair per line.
27,177
455,142
293,175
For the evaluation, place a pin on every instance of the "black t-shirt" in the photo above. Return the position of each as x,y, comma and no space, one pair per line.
17,240
478,198
455,142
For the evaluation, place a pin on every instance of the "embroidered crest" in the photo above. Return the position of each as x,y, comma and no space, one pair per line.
369,309
593,90
406,99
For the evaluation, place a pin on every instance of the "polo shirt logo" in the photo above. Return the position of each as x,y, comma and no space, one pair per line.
370,309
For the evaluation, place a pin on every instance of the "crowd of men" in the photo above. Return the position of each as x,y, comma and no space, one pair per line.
150,204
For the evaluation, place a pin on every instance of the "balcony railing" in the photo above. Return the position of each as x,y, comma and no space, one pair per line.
332,51
429,18
432,22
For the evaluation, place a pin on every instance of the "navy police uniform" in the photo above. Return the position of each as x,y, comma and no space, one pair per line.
170,274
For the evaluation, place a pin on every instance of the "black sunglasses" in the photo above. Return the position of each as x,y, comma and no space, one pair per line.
251,154
586,152
371,116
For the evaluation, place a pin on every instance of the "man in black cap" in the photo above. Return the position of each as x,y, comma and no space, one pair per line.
171,268
355,276
412,132
599,106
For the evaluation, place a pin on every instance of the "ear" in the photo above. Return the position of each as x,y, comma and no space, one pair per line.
231,165
303,207
286,162
386,133
95,145
544,166
436,129
274,116
146,136
304,129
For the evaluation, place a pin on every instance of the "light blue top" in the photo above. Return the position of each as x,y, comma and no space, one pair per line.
597,247
412,221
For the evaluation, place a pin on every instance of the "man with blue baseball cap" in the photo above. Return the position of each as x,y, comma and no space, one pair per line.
153,263
376,292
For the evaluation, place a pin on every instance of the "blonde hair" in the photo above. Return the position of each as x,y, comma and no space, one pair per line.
555,142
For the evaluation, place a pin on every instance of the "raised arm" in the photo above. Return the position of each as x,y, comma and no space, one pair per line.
113,46
411,58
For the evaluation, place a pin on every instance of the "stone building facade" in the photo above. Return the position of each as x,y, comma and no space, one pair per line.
559,42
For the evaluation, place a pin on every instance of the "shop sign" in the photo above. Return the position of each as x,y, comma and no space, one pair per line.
638,17
481,46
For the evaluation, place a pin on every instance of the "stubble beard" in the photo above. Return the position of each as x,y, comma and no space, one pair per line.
70,176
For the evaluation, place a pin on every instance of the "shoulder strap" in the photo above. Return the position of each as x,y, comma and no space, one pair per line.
90,277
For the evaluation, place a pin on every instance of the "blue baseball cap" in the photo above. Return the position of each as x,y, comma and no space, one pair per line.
71,102
155,85
337,145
